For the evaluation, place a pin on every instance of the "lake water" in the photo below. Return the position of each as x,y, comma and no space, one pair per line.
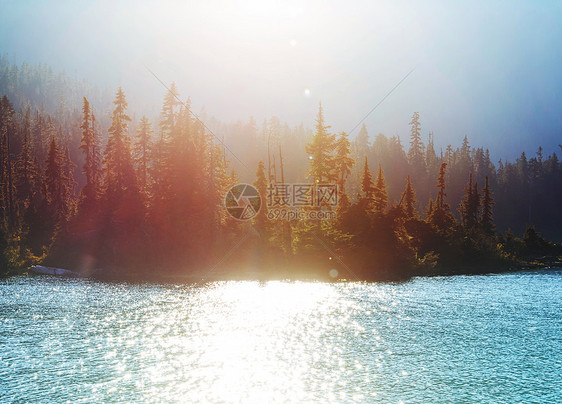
495,338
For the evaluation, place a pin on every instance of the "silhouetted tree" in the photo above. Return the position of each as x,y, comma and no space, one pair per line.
26,169
379,194
342,160
367,185
261,220
142,150
469,207
486,219
7,186
320,149
409,198
92,159
118,165
416,151
361,142
441,216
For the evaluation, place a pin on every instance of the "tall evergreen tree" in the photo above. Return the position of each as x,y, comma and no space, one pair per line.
409,198
486,219
68,167
55,184
26,170
465,160
38,133
122,208
92,158
380,195
475,212
431,160
166,145
342,160
440,201
470,206
465,205
429,210
142,150
7,186
119,171
261,220
367,185
441,216
320,151
169,112
416,151
361,142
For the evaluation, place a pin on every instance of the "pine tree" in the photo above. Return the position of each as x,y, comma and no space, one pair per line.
465,161
429,211
440,201
141,151
416,151
261,220
523,166
465,205
169,111
431,160
166,146
367,185
343,204
38,134
475,212
409,198
449,154
440,215
26,170
486,219
55,188
119,171
320,150
361,142
7,187
68,167
121,203
470,205
380,196
90,148
342,161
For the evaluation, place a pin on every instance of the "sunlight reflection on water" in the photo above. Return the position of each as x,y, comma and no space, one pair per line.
466,338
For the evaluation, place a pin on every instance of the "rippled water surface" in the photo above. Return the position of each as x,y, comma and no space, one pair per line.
494,338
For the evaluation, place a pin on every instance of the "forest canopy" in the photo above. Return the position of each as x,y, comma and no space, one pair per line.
85,189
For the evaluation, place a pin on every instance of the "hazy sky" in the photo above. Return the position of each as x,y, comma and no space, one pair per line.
491,70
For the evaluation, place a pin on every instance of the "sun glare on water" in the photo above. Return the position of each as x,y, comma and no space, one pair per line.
250,344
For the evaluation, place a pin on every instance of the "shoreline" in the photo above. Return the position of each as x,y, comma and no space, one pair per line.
291,276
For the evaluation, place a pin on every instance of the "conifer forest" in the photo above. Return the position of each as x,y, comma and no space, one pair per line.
87,184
